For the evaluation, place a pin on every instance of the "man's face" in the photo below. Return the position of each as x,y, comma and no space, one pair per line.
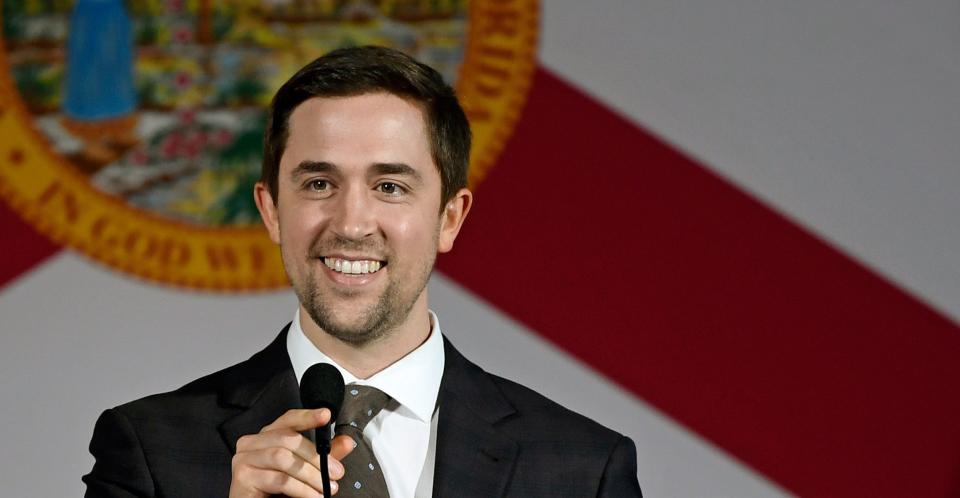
357,212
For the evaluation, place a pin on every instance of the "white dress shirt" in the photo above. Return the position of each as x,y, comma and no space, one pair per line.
399,437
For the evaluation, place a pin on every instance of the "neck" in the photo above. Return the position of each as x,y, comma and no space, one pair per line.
368,359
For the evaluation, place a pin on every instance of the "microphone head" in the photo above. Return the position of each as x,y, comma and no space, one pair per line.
322,387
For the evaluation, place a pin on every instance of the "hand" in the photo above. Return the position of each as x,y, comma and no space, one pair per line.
280,460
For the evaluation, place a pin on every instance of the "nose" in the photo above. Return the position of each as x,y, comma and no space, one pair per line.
353,217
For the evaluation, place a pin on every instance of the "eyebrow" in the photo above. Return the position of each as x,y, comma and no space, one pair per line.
312,167
399,169
376,169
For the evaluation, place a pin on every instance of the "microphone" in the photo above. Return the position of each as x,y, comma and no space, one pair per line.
322,387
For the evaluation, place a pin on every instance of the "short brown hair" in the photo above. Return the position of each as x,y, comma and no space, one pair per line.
359,70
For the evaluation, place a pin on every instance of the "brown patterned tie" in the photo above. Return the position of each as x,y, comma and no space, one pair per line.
363,477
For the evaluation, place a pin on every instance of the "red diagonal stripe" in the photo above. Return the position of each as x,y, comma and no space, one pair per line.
696,297
23,247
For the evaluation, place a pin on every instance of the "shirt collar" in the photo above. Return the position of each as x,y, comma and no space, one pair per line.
413,381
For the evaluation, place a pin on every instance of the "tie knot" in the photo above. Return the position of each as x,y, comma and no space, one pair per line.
360,405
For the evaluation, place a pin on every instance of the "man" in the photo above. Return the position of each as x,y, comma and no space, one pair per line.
364,182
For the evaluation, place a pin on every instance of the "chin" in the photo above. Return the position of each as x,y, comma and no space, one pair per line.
354,332
353,326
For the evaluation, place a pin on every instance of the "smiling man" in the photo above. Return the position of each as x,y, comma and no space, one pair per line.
363,184
358,212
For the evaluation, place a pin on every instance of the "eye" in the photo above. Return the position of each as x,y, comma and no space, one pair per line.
318,185
390,188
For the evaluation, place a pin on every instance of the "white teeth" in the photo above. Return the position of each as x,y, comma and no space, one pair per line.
352,267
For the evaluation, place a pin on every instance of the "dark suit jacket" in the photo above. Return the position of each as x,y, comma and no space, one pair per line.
495,438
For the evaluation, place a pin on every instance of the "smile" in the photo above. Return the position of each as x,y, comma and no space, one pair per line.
353,267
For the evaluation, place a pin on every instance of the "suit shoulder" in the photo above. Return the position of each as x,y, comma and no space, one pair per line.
544,414
200,392
204,392
198,398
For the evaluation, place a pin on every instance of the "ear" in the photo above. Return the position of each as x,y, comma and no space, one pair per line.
268,211
451,219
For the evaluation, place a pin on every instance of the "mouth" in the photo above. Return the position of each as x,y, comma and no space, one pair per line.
353,266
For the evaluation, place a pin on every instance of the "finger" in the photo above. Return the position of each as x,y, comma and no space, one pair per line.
335,467
301,446
300,420
285,461
341,446
275,482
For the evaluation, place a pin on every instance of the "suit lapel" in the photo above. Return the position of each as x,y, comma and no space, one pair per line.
474,458
264,387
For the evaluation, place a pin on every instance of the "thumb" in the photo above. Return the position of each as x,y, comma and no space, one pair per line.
341,446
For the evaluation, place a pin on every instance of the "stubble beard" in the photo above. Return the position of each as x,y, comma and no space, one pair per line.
389,311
